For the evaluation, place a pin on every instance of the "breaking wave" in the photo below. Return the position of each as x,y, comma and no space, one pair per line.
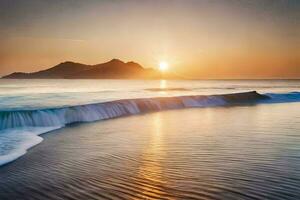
26,125
118,108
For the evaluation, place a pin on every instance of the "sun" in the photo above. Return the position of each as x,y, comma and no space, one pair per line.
163,66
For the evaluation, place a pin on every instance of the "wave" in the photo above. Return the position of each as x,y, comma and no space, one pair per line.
45,120
283,97
118,108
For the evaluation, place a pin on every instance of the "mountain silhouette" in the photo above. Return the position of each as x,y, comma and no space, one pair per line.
114,69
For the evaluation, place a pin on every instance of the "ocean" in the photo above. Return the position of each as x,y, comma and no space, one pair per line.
149,139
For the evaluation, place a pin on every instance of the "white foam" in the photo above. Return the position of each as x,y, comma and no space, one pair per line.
14,143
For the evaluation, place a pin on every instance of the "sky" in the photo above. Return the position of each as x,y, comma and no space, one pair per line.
207,39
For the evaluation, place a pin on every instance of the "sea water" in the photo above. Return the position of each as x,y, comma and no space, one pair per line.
29,108
182,141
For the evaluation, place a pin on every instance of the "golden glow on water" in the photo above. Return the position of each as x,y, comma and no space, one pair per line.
163,87
151,169
163,84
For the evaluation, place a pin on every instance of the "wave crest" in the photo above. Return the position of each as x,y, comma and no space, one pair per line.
113,109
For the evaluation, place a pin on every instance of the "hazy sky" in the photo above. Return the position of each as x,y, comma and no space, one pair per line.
199,38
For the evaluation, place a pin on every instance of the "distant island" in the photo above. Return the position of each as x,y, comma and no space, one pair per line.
114,69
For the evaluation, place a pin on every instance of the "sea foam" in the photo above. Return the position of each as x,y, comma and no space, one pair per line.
14,143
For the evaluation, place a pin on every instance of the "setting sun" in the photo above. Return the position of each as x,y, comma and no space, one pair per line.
163,66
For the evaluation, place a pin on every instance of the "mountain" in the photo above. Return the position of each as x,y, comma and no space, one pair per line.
114,69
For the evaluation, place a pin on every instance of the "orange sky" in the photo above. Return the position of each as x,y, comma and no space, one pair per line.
199,38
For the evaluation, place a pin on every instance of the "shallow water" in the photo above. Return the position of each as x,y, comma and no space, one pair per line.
249,152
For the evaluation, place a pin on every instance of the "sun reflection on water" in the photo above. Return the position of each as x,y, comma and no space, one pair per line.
163,84
151,169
